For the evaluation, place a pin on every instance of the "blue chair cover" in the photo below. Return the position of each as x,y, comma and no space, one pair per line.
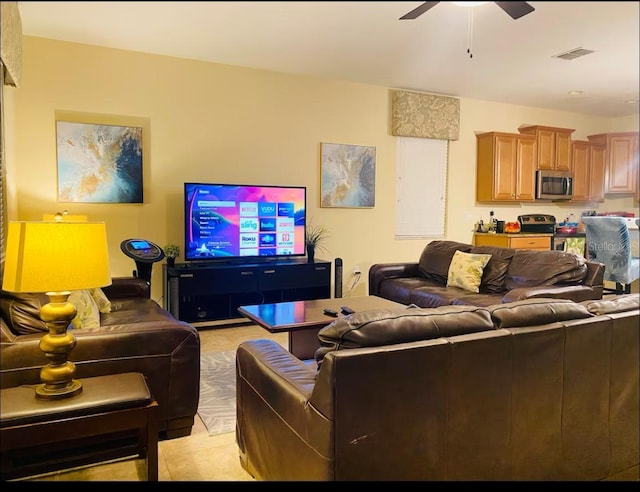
608,242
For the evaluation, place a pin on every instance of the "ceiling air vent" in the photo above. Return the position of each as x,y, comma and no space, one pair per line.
573,54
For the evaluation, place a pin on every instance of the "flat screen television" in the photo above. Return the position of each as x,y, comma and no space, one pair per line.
239,222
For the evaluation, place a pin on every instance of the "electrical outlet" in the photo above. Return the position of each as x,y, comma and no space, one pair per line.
356,270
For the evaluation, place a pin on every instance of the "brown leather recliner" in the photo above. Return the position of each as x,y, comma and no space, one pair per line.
136,336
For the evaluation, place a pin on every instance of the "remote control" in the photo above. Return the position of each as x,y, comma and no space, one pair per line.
331,312
346,310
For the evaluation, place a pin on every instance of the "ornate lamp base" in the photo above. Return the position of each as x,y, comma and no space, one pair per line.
57,375
48,392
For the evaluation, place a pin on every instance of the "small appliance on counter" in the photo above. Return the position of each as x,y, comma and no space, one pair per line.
537,223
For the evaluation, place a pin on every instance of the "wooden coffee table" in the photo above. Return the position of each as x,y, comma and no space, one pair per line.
304,319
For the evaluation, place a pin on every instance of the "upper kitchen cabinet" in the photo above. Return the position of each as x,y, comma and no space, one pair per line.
554,146
598,155
621,170
505,167
588,164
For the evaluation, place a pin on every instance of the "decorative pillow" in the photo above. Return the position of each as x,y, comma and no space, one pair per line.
88,313
103,302
465,271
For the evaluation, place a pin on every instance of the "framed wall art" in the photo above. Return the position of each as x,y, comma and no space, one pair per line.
100,159
348,175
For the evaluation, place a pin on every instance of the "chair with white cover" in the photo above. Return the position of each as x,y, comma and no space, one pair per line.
609,242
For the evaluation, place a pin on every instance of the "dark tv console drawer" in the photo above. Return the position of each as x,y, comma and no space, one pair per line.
200,293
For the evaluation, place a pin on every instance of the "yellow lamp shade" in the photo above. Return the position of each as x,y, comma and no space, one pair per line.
56,256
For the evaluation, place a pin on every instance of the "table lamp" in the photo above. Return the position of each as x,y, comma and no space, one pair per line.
64,216
55,258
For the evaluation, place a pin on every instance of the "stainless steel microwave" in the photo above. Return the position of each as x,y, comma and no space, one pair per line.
554,185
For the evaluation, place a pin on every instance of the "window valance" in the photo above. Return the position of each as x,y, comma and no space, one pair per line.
415,114
11,43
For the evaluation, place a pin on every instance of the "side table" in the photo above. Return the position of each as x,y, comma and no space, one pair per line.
113,417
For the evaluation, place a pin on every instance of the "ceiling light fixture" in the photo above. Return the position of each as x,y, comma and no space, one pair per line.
574,93
631,101
469,6
514,9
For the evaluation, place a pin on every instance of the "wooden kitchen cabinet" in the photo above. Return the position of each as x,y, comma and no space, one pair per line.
519,241
581,162
621,169
505,167
554,146
588,164
598,154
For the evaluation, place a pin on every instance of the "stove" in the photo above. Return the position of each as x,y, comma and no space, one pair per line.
537,223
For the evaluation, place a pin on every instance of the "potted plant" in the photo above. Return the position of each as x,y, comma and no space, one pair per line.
316,235
171,251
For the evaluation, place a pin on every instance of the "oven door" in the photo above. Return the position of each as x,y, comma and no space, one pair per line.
554,185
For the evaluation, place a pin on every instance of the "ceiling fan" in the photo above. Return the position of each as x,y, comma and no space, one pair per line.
514,9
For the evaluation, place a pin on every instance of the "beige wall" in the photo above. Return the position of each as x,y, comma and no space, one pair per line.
211,122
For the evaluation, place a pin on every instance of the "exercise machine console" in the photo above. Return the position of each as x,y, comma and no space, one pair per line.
144,253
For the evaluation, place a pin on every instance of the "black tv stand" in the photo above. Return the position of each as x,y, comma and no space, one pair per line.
259,260
203,292
194,264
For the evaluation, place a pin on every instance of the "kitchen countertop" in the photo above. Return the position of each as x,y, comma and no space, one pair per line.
532,234
516,234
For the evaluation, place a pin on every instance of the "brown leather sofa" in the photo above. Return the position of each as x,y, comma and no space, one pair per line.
510,275
136,336
539,389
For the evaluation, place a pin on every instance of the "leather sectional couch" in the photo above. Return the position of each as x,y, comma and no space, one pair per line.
537,389
136,336
509,275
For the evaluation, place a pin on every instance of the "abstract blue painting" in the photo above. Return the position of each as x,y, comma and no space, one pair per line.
99,163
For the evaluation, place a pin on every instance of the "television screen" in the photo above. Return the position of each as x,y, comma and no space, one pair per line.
234,221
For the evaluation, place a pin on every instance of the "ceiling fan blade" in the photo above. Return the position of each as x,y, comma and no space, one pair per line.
417,12
515,9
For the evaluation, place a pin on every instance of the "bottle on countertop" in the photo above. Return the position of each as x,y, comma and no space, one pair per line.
493,223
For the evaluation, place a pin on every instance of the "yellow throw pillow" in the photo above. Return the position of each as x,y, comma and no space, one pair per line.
88,314
465,271
103,302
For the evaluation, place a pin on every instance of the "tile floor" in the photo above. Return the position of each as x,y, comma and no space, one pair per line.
198,457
